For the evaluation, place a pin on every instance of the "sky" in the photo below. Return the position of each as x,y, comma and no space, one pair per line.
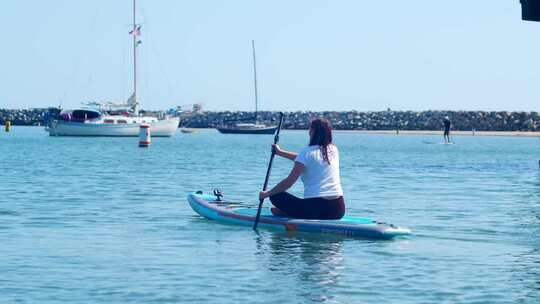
311,54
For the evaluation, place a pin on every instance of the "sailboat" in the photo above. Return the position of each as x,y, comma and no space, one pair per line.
249,128
112,118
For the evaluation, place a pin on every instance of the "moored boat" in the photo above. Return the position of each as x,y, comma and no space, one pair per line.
109,118
188,130
85,122
249,128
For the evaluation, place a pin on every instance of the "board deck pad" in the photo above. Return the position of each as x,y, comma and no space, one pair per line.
266,212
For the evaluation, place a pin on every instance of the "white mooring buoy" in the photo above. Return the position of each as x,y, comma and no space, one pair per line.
144,136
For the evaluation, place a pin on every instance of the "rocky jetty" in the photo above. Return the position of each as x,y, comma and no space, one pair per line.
381,120
29,117
348,120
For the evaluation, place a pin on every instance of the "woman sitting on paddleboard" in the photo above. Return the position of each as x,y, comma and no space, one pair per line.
318,166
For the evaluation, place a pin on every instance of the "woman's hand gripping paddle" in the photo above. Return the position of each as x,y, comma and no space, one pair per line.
276,139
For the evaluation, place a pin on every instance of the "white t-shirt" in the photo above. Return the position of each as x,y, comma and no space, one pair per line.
320,178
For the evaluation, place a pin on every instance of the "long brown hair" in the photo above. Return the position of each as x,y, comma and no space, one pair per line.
321,136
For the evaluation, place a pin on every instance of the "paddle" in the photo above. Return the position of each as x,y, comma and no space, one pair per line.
276,139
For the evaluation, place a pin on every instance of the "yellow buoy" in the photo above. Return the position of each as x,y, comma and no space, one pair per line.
8,125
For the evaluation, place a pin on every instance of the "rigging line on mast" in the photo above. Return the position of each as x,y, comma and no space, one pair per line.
152,48
124,71
78,81
135,32
146,81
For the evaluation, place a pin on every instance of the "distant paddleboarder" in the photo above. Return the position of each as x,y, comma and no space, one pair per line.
447,124
318,166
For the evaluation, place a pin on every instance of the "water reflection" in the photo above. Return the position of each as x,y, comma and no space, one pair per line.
527,275
308,265
527,264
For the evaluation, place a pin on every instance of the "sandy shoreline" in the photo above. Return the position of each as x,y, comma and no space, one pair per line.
434,133
452,133
440,133
410,132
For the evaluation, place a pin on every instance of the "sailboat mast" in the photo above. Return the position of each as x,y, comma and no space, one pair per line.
255,81
135,108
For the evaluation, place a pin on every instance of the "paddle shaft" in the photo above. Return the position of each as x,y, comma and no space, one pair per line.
268,170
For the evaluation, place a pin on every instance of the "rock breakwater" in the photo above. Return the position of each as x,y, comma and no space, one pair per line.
28,117
344,120
382,120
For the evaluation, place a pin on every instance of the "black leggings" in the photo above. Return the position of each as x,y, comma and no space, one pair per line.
309,208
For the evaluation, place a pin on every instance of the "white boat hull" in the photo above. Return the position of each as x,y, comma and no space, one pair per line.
160,128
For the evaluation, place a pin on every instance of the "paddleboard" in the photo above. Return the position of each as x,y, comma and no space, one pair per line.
239,213
437,143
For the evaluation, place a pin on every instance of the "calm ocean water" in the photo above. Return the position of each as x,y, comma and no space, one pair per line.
90,220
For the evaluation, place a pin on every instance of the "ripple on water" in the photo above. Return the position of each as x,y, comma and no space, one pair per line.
100,220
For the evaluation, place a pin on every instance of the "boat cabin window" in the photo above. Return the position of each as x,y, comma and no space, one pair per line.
108,121
85,114
121,121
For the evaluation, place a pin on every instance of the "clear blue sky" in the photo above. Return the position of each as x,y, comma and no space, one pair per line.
312,54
